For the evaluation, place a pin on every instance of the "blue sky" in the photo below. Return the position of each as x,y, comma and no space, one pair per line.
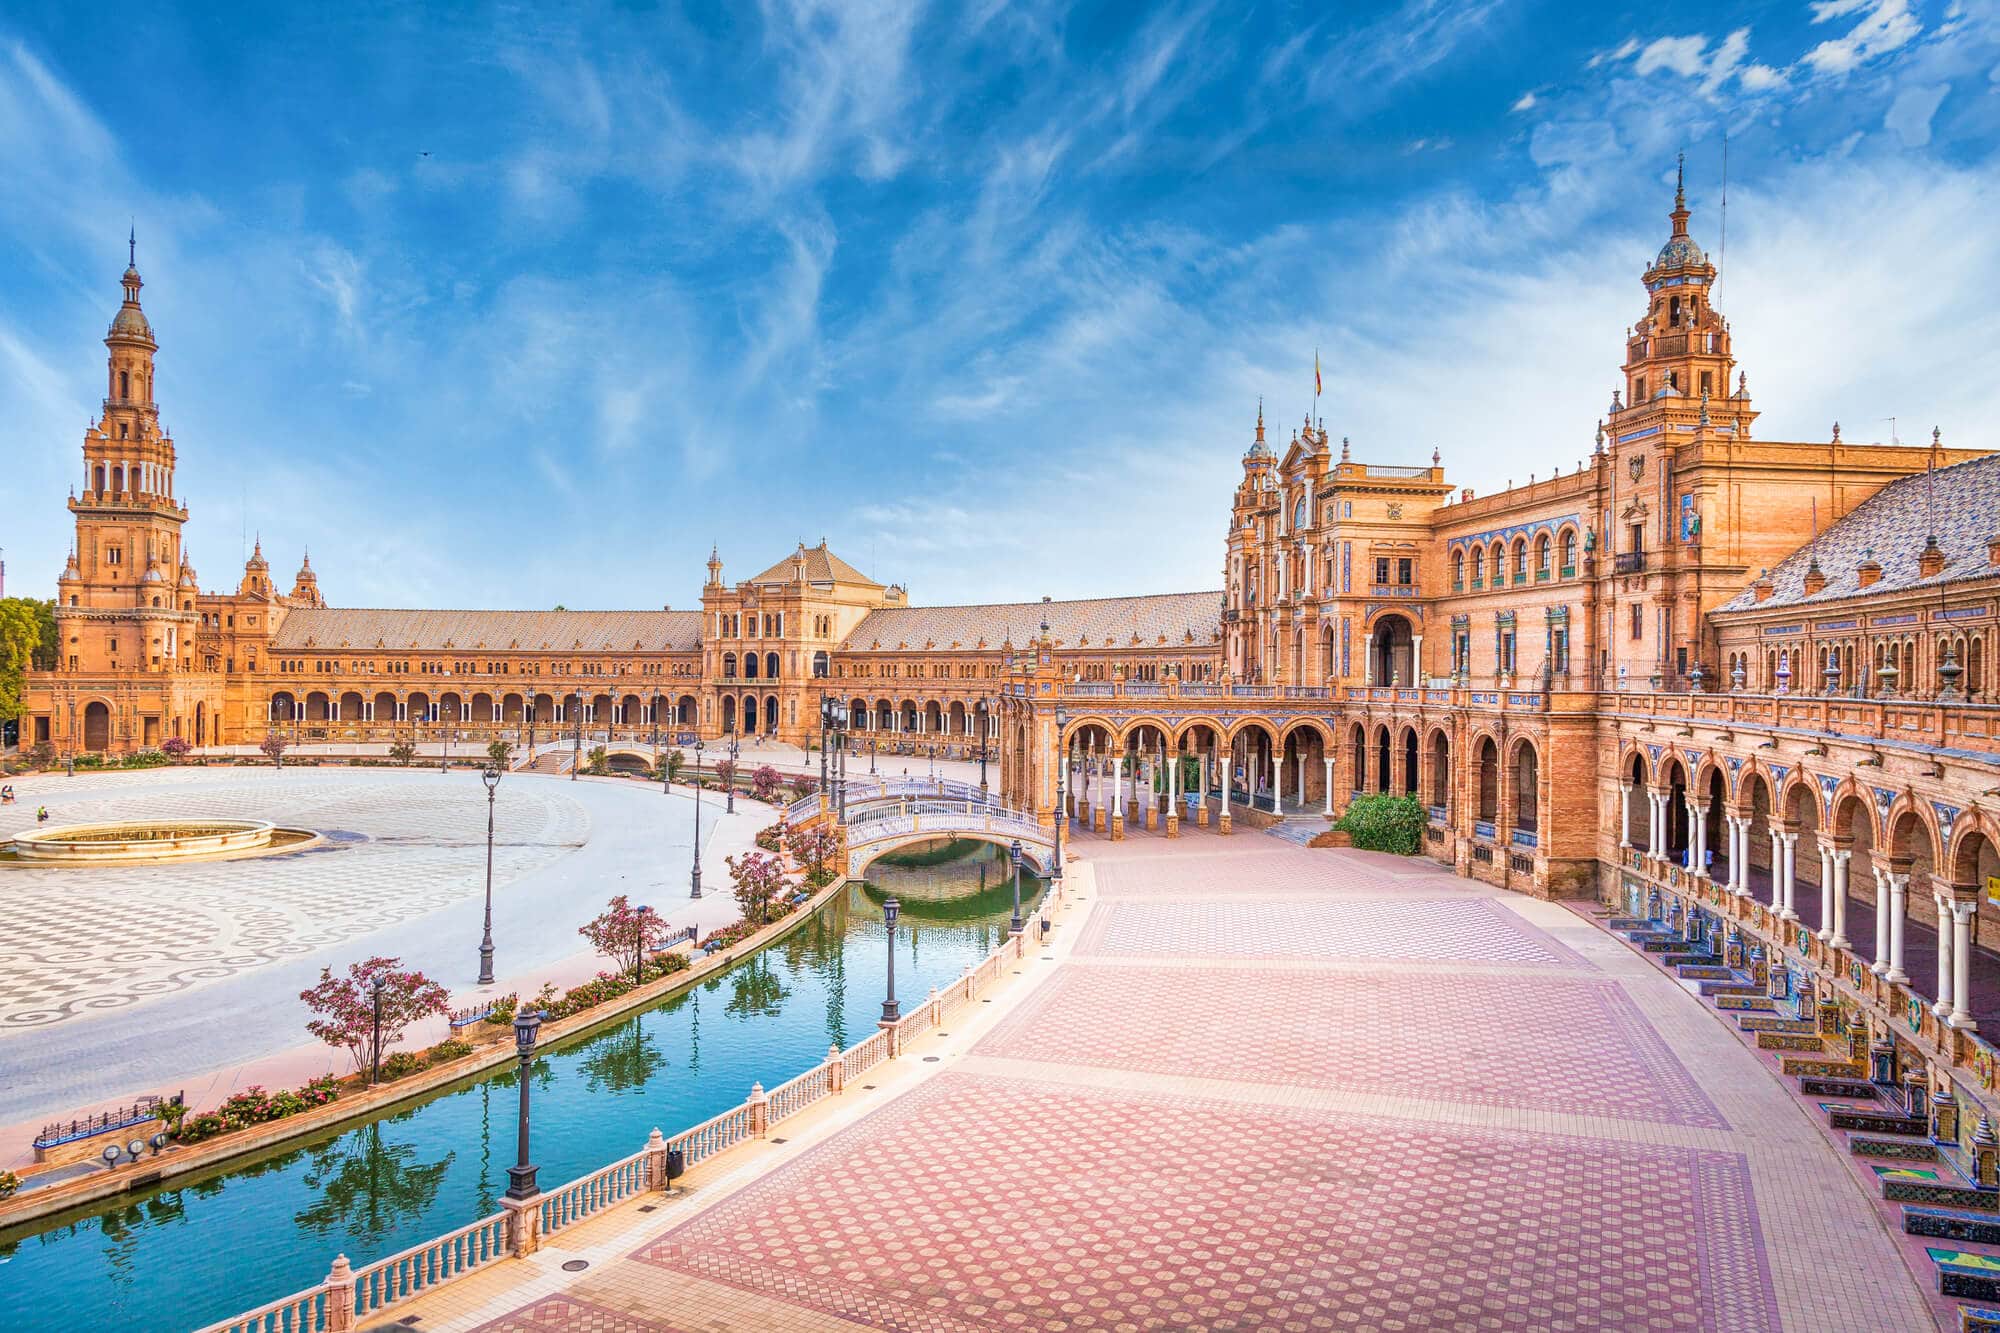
492,309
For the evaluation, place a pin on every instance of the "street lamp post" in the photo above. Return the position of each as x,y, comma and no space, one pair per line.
375,1050
891,1012
1062,796
873,744
521,1176
695,892
984,727
491,777
576,742
1014,855
444,764
729,787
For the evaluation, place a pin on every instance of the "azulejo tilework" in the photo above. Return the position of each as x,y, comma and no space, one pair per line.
1547,1043
927,1217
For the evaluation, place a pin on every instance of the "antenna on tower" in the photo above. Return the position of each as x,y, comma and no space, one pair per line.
1723,259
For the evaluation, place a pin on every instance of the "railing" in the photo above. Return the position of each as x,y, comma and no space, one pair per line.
585,1198
1526,838
424,1268
140,1112
420,1268
1482,828
1628,562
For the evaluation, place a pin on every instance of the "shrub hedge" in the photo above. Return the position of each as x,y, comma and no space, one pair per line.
1383,823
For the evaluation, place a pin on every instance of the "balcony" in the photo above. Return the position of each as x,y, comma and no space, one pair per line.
1629,562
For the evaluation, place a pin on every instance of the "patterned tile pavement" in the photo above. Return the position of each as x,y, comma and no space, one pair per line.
1408,929
1528,1043
923,1218
1174,1140
566,1314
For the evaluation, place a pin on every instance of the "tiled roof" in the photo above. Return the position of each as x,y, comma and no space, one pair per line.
1960,503
822,566
1096,621
492,631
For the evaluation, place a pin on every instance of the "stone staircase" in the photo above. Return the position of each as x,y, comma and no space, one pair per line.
1958,1220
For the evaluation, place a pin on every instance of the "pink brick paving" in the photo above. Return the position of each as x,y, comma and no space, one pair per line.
1272,868
567,1314
1542,1043
930,1216
1409,929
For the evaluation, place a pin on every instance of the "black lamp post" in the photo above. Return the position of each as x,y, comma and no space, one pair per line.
1014,855
444,764
983,728
491,777
839,771
729,787
521,1176
873,745
375,1050
576,743
695,892
1062,783
891,1011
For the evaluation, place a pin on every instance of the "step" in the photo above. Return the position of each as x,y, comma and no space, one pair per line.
1705,972
1747,1004
1807,1066
1713,989
1657,943
1965,1274
1859,1089
1688,958
1790,1041
1941,1194
1892,1147
1944,1224
1868,1120
1625,925
1776,1023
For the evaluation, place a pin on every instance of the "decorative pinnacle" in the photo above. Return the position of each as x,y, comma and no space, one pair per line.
132,246
1680,180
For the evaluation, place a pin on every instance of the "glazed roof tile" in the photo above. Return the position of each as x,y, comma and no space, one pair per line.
492,631
1960,504
1094,621
822,566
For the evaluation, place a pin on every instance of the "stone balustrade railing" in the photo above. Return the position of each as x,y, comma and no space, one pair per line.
349,1296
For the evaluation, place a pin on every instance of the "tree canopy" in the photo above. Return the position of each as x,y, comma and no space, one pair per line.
27,641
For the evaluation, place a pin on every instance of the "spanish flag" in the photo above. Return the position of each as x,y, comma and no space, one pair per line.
1316,382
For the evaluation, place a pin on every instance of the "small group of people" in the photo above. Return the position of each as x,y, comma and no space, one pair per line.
7,798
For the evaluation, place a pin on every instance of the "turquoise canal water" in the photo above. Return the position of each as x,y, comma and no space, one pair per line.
220,1243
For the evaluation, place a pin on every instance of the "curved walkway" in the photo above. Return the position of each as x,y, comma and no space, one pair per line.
1259,1087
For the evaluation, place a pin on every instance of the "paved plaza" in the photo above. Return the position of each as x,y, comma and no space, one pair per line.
1259,1087
138,979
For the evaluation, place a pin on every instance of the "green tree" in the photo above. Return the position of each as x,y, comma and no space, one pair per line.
499,752
27,641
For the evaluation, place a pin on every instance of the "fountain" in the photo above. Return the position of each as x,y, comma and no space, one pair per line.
129,842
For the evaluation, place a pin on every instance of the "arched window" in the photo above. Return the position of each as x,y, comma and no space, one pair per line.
1520,559
1478,566
770,666
1569,553
1457,570
124,386
1542,549
750,665
820,664
729,666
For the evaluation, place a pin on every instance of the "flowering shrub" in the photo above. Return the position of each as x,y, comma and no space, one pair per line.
274,748
623,932
764,783
347,1007
175,748
804,786
767,838
813,845
758,877
451,1048
9,1182
742,930
252,1106
606,986
503,1010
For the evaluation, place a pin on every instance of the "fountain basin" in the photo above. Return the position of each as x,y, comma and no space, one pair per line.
125,842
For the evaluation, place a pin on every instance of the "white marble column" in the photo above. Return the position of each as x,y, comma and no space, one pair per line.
1118,787
1961,965
1329,786
1881,963
1899,896
1942,1007
1825,931
1624,814
1840,862
1698,839
1791,883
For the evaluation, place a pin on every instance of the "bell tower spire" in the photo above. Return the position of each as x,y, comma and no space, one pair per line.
1679,350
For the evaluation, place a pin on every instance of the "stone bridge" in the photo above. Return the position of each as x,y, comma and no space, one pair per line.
883,827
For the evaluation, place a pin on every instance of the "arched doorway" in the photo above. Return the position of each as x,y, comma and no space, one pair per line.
1526,775
1488,805
1391,652
1440,793
1639,809
1409,761
1382,755
96,726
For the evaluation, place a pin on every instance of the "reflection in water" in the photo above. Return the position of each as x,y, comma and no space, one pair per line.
233,1238
369,1186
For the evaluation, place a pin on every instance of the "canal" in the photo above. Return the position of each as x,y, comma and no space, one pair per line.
215,1244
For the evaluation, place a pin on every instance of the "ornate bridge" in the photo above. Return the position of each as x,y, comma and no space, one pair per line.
862,793
883,826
